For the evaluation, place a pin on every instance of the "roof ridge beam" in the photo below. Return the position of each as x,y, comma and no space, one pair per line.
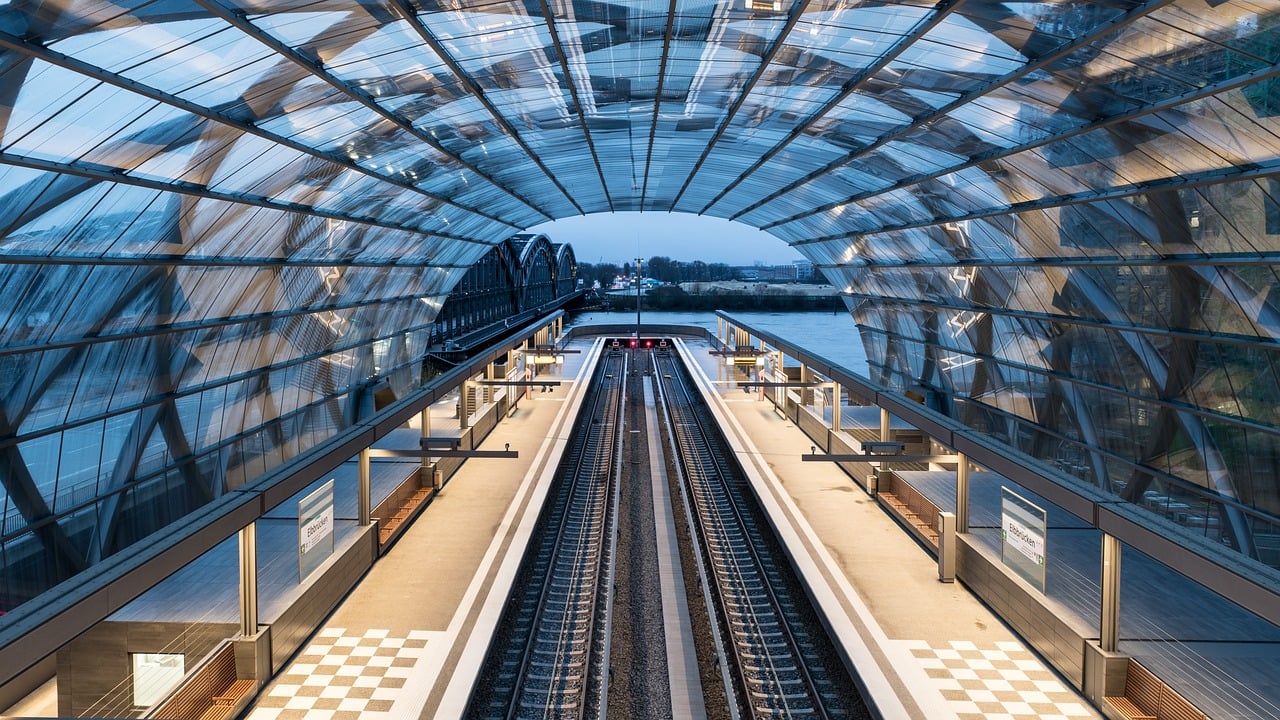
549,16
942,10
657,97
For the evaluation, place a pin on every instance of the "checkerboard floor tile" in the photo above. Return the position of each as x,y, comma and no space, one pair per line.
1002,681
342,676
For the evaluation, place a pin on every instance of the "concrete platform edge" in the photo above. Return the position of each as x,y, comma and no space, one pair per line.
522,515
882,681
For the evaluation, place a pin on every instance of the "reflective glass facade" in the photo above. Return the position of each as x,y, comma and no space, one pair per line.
1056,221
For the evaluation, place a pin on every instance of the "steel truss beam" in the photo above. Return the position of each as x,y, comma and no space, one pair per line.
95,338
672,6
314,66
1118,327
215,261
190,390
1259,259
411,18
1258,75
941,11
114,175
1060,374
797,11
550,19
53,57
964,99
51,625
1207,563
1232,173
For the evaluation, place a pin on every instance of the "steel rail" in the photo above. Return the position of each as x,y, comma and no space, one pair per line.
557,663
772,666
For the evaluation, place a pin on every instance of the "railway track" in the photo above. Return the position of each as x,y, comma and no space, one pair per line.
551,656
780,663
553,651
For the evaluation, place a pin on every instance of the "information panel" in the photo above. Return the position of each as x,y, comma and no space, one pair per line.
1022,537
315,530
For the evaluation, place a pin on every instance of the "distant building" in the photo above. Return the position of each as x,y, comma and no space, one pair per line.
768,273
804,271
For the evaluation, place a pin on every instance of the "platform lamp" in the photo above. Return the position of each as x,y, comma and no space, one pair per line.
638,280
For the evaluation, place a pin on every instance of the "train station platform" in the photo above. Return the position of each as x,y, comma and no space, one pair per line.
1209,656
409,640
410,637
923,648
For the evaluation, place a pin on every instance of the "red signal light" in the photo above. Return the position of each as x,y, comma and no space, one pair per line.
648,343
633,343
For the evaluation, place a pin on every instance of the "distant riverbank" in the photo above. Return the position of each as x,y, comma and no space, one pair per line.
762,298
831,335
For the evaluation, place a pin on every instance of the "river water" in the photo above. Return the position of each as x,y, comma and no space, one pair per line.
833,336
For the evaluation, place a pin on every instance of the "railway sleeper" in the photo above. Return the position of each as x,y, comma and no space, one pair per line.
757,622
778,676
766,635
787,711
574,647
539,703
748,668
746,599
570,588
555,676
558,633
751,648
789,698
569,603
567,577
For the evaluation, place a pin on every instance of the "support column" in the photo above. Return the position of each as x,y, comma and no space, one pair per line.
465,407
365,511
884,425
837,405
249,580
426,432
1109,631
490,373
962,495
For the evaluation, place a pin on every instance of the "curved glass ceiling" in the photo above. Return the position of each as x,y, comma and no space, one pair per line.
1056,221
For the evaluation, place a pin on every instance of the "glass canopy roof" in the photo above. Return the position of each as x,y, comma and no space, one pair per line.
1056,221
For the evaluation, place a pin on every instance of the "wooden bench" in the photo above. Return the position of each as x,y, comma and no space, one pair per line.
1127,709
224,702
406,509
234,692
1146,697
210,692
913,508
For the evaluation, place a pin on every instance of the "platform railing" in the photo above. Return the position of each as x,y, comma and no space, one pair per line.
86,600
1250,585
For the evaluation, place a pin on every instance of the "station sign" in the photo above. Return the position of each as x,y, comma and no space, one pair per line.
315,530
1023,529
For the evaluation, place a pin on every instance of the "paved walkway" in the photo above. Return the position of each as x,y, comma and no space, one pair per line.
926,649
408,640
